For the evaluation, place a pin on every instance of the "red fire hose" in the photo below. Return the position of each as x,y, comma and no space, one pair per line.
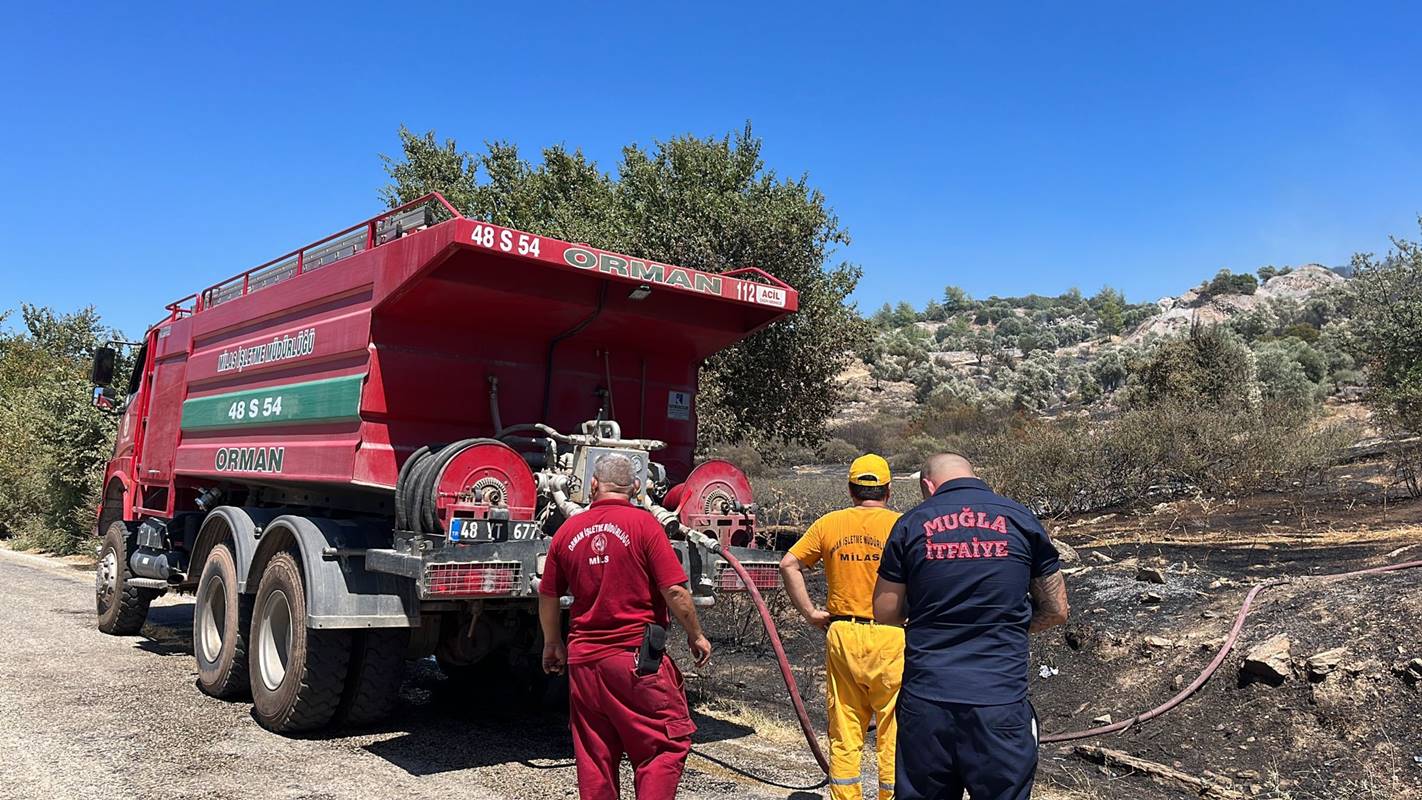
1218,659
810,738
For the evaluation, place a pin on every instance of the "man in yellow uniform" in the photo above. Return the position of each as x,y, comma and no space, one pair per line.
864,661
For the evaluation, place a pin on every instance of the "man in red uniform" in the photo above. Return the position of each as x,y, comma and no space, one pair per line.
615,561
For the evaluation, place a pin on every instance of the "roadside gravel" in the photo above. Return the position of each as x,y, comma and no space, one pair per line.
84,715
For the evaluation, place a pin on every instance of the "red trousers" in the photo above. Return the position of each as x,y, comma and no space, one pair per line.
614,711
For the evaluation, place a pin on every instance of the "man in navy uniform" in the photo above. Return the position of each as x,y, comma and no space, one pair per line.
972,573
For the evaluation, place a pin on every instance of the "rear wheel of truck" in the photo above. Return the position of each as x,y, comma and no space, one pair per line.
121,607
221,620
373,679
297,675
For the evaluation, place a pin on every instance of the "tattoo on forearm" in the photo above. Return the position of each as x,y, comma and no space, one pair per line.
1050,593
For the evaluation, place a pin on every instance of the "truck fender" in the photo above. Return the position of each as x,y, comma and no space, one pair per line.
340,591
238,526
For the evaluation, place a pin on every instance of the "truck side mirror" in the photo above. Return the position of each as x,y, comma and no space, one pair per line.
102,373
105,400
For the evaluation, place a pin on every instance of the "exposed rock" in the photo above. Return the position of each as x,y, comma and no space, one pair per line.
1066,552
1150,575
1269,660
1208,614
1319,665
1178,682
1100,557
1159,642
1151,598
1410,671
1104,719
1177,315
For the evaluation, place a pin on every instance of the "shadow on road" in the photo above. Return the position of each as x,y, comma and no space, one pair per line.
445,727
440,725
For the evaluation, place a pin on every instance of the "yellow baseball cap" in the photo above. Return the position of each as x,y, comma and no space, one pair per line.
869,470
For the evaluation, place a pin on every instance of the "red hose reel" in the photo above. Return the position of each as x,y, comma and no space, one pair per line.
714,499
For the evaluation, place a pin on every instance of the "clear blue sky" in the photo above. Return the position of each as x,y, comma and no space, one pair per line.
150,149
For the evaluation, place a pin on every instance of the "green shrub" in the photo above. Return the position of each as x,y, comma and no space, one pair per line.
1211,367
878,434
745,456
909,456
1226,282
55,442
1158,452
838,451
1385,333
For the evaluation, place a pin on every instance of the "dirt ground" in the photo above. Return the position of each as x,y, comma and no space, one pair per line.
85,715
1354,733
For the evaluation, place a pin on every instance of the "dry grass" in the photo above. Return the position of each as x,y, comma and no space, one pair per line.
770,727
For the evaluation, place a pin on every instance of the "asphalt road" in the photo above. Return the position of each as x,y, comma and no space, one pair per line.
84,715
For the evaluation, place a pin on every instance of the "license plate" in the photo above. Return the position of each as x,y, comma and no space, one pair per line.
465,529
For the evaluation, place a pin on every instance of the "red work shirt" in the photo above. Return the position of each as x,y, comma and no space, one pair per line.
615,560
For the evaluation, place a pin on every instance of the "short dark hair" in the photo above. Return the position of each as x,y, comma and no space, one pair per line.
862,493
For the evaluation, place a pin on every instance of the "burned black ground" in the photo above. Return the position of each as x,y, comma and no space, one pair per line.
1357,733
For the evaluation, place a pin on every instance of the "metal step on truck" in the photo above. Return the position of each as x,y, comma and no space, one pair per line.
356,454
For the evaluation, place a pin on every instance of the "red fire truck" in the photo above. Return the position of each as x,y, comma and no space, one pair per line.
355,454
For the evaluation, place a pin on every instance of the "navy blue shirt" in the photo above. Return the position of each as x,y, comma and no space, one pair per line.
967,557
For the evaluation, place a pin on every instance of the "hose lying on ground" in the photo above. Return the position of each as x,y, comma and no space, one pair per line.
1244,609
1217,660
810,738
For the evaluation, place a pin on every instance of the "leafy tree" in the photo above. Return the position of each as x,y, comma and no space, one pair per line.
1226,282
1110,370
1290,372
705,203
934,312
1301,331
1011,327
956,300
904,315
56,442
1209,368
897,352
1110,306
1072,330
1271,271
1137,314
1386,331
996,312
981,344
1034,385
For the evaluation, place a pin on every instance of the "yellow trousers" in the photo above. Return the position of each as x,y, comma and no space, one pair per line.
864,666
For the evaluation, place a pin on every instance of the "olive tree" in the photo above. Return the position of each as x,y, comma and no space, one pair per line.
1385,335
707,203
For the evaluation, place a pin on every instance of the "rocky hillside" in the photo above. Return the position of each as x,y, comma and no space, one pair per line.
1041,353
1178,313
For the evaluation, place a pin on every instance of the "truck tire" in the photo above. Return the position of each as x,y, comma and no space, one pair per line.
222,619
297,674
121,608
373,680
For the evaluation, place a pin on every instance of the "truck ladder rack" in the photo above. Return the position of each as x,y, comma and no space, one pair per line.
362,236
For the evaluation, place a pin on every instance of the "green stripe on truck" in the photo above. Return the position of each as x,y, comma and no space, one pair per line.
326,400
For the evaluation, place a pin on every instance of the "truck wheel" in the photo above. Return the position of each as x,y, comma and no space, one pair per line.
297,674
122,608
373,681
221,620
